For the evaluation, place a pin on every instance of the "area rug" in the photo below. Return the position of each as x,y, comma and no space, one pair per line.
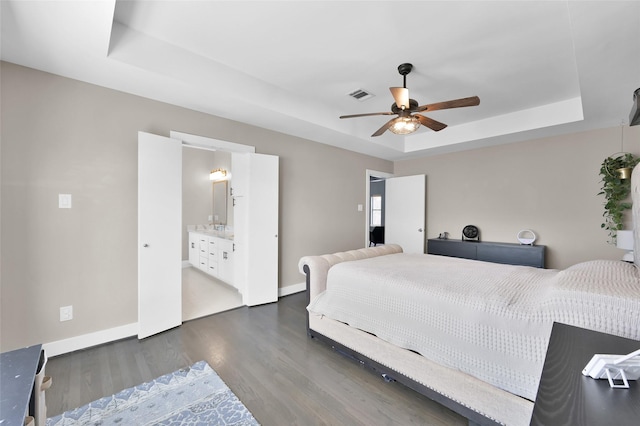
194,395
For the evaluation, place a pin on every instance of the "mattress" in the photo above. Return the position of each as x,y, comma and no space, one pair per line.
488,320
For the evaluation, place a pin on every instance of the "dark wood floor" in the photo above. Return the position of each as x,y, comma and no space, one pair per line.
264,356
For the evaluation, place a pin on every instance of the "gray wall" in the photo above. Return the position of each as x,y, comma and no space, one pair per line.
547,185
65,136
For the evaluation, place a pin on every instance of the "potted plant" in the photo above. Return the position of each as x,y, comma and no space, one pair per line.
615,172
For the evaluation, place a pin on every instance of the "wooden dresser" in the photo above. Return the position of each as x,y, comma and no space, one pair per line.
508,253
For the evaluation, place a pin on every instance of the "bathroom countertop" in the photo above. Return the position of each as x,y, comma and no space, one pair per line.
219,234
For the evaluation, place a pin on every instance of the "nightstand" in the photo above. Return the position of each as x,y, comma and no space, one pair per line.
567,397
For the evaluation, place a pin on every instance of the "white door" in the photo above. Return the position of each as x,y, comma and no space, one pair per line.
256,226
159,234
404,210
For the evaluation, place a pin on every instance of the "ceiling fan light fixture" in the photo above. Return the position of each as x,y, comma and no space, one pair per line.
405,125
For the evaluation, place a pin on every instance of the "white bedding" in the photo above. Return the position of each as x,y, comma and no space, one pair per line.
488,320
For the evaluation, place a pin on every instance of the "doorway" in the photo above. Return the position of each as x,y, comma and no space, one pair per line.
204,206
160,223
375,214
403,209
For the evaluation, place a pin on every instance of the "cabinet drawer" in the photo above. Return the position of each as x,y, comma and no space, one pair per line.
203,263
512,255
463,249
212,267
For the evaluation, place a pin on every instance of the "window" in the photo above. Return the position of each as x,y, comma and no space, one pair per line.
376,210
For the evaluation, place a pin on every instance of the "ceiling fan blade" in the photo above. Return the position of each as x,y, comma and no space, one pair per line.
401,96
367,114
384,128
456,103
434,125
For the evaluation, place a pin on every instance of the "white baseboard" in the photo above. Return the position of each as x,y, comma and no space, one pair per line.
105,336
291,289
91,339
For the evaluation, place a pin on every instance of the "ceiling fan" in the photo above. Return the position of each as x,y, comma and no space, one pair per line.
406,109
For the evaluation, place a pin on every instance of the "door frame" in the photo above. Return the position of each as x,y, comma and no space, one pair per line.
193,141
368,174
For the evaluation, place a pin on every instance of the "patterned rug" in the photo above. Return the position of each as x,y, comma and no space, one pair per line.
194,395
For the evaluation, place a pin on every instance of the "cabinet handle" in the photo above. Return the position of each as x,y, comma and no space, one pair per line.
145,245
193,245
234,203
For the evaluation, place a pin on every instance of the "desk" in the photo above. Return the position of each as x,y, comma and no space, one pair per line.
17,375
566,397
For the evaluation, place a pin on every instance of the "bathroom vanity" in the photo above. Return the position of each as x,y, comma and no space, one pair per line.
212,252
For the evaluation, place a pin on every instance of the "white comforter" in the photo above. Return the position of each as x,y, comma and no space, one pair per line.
488,320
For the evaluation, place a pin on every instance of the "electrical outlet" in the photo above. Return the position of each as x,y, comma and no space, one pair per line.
66,313
64,201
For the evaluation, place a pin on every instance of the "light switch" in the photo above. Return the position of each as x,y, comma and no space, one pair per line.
359,207
64,201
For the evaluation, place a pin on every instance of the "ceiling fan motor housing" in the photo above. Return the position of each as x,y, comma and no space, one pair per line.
405,68
413,104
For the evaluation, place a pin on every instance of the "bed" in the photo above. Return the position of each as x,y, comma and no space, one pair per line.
471,335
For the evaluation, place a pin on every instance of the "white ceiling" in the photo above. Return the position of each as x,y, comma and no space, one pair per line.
539,67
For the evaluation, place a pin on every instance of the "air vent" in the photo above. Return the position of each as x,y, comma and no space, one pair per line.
361,95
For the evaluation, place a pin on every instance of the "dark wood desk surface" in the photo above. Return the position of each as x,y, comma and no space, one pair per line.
567,397
17,374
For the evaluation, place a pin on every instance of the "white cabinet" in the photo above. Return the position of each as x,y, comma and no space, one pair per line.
255,182
225,261
194,249
203,256
213,255
241,167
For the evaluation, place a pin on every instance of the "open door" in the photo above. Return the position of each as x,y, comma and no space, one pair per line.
159,234
405,202
255,185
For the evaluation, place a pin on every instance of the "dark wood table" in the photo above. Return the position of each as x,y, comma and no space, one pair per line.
17,373
567,397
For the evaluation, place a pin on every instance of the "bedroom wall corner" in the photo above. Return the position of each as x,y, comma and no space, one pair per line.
65,136
548,185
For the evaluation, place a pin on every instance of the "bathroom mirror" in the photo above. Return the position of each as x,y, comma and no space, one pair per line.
220,202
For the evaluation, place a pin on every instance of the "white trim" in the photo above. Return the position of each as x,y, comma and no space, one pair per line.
210,143
185,264
291,289
92,339
124,331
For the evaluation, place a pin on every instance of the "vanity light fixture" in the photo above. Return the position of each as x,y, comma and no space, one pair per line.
218,174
